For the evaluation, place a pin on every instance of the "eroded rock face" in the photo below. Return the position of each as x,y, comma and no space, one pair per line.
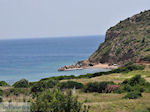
129,40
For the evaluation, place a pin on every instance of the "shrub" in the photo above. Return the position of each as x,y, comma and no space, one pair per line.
3,83
148,49
1,92
23,83
70,85
128,68
42,85
17,91
55,101
146,58
59,78
133,95
118,51
136,83
1,99
137,80
96,86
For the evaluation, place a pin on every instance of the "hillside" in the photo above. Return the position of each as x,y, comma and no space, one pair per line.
129,40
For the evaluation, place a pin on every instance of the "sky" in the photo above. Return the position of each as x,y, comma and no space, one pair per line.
60,18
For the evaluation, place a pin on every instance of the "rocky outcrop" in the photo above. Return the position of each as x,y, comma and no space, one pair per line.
79,65
129,40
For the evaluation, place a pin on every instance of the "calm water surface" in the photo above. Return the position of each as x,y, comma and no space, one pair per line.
34,59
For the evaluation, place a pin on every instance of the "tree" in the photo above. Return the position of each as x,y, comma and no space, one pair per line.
56,101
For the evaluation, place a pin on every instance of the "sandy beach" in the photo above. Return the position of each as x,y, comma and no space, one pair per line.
97,66
104,66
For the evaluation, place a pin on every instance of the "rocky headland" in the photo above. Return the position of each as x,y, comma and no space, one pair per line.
127,41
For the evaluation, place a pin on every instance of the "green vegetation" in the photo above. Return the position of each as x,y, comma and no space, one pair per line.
1,93
124,40
59,78
146,58
106,51
17,91
1,99
3,83
133,95
43,84
21,84
148,49
71,85
118,51
96,90
56,101
96,86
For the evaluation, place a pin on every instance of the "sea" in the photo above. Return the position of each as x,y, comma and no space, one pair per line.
38,58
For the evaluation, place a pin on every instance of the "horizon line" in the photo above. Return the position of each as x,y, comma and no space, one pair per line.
52,37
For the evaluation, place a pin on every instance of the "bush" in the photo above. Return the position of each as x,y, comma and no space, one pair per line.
21,84
133,95
17,91
128,68
55,101
42,85
146,58
71,85
3,83
96,86
1,99
136,83
59,78
1,92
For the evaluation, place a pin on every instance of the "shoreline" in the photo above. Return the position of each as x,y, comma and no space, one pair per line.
96,66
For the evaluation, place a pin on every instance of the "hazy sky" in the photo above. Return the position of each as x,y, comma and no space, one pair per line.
53,18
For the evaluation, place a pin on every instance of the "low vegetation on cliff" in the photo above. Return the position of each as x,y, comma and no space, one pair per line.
129,40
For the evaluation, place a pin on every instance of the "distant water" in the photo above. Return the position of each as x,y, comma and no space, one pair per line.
34,59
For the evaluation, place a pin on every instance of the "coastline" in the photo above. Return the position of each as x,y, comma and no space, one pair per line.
96,66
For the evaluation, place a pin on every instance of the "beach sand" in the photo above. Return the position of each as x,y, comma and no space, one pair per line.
104,66
97,66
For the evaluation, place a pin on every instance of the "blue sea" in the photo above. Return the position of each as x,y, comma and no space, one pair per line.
34,59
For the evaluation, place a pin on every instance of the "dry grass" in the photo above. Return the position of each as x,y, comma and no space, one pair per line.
113,102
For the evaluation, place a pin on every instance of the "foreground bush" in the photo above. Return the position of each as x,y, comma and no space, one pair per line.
56,101
70,85
42,85
3,83
96,86
133,95
21,84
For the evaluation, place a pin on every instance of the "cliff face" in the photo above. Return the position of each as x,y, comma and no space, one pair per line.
129,40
